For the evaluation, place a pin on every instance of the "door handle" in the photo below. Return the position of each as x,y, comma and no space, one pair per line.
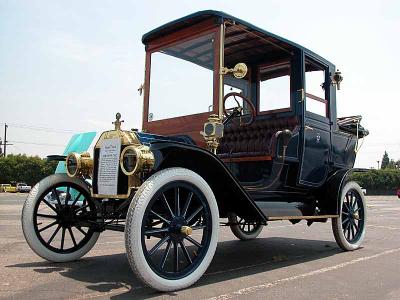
302,95
306,127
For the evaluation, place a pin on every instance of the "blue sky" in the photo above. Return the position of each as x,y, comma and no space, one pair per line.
70,65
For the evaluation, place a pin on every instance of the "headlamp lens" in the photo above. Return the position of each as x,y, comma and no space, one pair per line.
129,160
72,164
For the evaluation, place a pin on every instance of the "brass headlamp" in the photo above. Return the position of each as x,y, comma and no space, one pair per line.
135,159
79,164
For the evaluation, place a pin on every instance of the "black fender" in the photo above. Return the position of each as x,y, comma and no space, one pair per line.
331,190
230,195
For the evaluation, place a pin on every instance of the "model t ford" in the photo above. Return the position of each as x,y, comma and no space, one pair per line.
238,123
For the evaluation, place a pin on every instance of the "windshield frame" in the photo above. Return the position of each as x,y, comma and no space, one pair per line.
171,125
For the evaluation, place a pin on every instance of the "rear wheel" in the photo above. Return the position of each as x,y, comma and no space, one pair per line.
349,227
243,229
171,230
55,219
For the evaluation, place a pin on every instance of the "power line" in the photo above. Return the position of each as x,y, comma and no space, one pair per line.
18,148
39,144
41,128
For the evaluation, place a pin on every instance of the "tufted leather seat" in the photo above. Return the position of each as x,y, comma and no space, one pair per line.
258,139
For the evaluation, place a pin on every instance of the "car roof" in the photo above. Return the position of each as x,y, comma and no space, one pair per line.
199,16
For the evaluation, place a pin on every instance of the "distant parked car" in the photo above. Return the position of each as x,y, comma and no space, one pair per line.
398,192
23,187
3,187
8,188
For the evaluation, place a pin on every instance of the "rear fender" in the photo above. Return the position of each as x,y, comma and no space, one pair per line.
331,190
230,195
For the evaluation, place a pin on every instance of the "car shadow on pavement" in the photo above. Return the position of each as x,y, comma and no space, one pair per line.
111,274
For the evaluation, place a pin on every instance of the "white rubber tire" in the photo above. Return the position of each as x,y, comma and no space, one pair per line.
239,233
28,227
133,235
337,222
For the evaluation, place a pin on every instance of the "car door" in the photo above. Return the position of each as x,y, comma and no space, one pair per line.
316,129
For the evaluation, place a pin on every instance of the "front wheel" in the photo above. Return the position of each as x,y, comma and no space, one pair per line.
55,218
171,229
349,227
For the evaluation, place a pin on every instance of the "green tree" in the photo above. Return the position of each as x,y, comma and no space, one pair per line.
385,160
387,179
391,164
22,168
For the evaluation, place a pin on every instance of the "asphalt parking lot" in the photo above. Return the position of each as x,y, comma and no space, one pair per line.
286,261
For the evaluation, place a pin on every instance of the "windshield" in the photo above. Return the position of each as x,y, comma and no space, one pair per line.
181,81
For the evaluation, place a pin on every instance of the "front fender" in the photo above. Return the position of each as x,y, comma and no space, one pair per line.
230,195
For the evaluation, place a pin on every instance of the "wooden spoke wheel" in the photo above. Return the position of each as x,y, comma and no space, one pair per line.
244,229
349,228
56,218
172,229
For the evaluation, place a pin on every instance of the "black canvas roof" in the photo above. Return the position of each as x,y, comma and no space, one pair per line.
251,41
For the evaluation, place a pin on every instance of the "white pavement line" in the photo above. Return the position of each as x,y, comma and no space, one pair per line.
252,289
385,227
269,262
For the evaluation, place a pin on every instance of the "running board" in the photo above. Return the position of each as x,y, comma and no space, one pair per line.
278,218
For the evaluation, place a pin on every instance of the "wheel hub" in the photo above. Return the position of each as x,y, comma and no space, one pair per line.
179,229
186,230
66,217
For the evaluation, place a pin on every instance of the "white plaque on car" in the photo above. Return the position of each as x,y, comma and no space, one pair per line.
108,167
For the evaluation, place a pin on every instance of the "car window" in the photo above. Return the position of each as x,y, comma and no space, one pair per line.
274,87
316,99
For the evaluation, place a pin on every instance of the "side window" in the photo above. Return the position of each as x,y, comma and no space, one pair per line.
316,99
274,87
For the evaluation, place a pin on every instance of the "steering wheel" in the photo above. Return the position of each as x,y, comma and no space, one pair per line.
229,112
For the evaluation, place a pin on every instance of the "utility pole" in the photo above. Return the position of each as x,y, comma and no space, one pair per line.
5,144
5,140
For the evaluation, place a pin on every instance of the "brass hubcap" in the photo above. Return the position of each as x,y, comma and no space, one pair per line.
186,230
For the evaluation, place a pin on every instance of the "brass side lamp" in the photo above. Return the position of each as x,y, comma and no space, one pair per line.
213,132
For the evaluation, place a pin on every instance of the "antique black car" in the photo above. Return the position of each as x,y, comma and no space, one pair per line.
239,129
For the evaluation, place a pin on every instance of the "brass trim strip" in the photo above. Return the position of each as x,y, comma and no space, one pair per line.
221,76
301,217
